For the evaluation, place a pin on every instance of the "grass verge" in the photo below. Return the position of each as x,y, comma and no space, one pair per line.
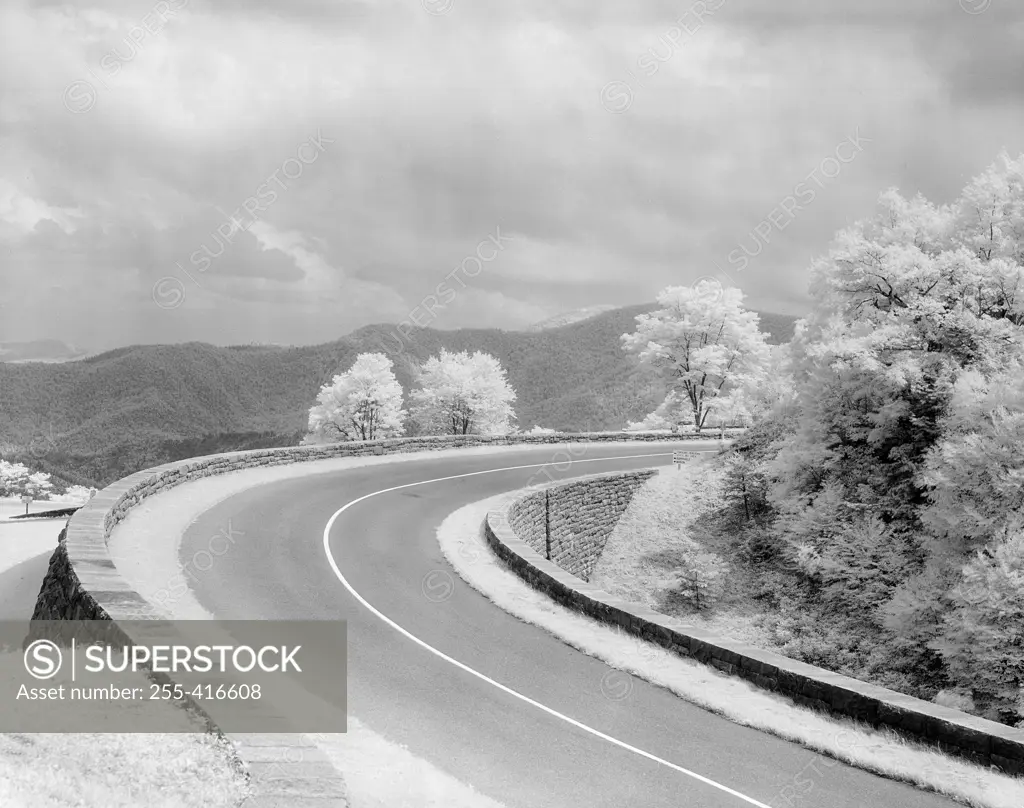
665,530
119,771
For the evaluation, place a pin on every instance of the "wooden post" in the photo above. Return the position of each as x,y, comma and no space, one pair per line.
547,525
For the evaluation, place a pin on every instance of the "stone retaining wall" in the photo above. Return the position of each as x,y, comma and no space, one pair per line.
570,524
82,582
513,532
61,596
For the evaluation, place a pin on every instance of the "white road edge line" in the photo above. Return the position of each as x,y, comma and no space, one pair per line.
487,679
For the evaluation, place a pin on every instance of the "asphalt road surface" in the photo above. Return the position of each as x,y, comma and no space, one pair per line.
19,585
504,746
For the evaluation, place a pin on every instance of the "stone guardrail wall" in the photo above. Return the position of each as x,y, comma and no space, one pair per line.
65,594
570,524
82,582
516,531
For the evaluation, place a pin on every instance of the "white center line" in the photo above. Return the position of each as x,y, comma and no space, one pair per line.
597,733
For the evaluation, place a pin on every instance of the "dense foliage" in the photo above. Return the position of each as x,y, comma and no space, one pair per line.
707,350
19,480
463,394
888,497
363,403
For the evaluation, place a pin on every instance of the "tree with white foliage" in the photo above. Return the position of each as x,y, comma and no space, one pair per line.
989,217
672,413
39,485
975,472
901,460
702,577
463,394
706,346
905,301
758,395
363,403
962,603
983,637
77,495
13,478
17,480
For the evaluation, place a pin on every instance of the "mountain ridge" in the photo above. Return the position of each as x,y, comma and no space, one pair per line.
39,350
111,414
570,317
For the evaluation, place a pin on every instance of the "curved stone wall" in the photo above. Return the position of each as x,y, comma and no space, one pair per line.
83,582
570,524
516,532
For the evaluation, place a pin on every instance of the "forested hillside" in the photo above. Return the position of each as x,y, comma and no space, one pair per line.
101,418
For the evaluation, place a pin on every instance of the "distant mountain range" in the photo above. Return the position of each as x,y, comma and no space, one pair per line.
97,419
570,317
42,350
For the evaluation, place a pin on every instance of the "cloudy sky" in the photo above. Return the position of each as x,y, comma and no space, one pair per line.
288,170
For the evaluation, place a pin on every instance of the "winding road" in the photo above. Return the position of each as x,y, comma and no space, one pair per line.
497,703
